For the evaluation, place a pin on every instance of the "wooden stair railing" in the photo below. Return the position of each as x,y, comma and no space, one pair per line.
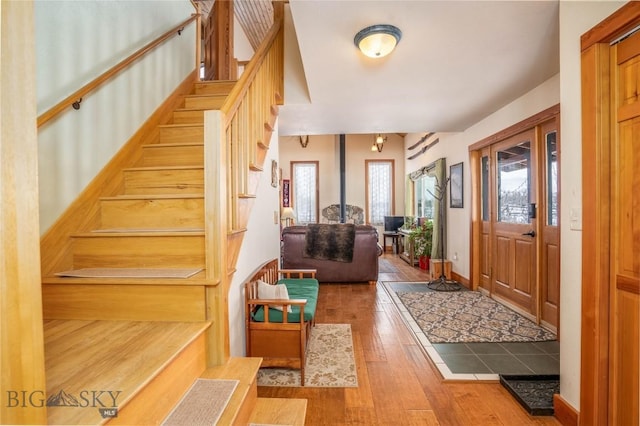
236,139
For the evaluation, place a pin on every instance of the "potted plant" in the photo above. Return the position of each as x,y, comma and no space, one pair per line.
422,239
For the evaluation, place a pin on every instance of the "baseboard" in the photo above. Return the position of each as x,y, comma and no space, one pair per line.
564,412
459,278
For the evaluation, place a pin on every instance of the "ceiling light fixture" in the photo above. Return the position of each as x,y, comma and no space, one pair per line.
377,41
378,143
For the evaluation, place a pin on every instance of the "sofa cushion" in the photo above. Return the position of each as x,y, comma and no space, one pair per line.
271,291
298,288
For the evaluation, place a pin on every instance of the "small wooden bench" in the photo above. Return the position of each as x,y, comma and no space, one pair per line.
280,337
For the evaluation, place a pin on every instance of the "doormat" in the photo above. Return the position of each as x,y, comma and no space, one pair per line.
534,392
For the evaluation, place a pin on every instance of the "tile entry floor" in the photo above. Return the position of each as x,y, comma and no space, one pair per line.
482,359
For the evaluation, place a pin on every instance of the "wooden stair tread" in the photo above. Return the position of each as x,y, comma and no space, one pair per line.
279,411
143,230
152,197
110,356
179,125
206,95
173,144
154,168
138,233
246,371
198,279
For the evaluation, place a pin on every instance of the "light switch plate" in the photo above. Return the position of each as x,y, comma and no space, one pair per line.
575,219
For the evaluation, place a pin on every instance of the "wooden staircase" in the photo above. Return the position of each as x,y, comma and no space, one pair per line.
178,195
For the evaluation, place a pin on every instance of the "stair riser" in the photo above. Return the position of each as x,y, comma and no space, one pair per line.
182,134
153,214
105,251
208,102
214,88
153,301
188,181
188,117
189,155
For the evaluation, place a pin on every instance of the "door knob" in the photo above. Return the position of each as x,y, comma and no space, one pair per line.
531,233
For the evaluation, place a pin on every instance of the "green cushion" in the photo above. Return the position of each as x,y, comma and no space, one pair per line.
298,288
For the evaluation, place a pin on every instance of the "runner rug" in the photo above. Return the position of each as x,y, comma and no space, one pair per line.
203,403
469,316
330,361
130,273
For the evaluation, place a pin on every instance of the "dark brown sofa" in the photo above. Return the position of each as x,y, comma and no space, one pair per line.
362,268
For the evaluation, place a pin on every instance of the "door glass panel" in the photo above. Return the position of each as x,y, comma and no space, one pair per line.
513,183
552,179
485,188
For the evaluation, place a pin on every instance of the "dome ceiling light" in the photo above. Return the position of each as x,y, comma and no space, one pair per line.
377,41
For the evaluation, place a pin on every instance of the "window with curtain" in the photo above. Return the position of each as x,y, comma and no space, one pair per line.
304,177
425,201
380,196
429,185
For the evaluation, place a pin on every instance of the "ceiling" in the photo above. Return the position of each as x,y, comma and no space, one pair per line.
457,62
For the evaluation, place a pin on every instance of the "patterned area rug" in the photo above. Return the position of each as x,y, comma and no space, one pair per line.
469,316
330,361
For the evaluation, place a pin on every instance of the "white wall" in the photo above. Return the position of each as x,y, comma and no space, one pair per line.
454,147
261,243
576,18
75,42
326,150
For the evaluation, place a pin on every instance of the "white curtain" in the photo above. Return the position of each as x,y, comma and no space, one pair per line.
380,190
304,193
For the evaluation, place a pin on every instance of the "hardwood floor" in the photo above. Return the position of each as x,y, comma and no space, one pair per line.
398,384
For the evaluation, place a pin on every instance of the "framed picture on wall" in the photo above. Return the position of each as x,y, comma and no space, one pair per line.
455,186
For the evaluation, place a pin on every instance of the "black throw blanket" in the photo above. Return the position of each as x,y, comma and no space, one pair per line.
330,241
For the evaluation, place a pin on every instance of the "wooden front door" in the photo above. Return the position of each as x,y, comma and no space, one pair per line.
624,371
514,253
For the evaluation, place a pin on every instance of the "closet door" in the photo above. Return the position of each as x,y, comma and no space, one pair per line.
624,370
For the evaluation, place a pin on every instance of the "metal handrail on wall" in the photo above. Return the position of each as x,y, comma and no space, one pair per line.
75,98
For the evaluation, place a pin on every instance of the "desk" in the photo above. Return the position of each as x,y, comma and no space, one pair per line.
395,243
